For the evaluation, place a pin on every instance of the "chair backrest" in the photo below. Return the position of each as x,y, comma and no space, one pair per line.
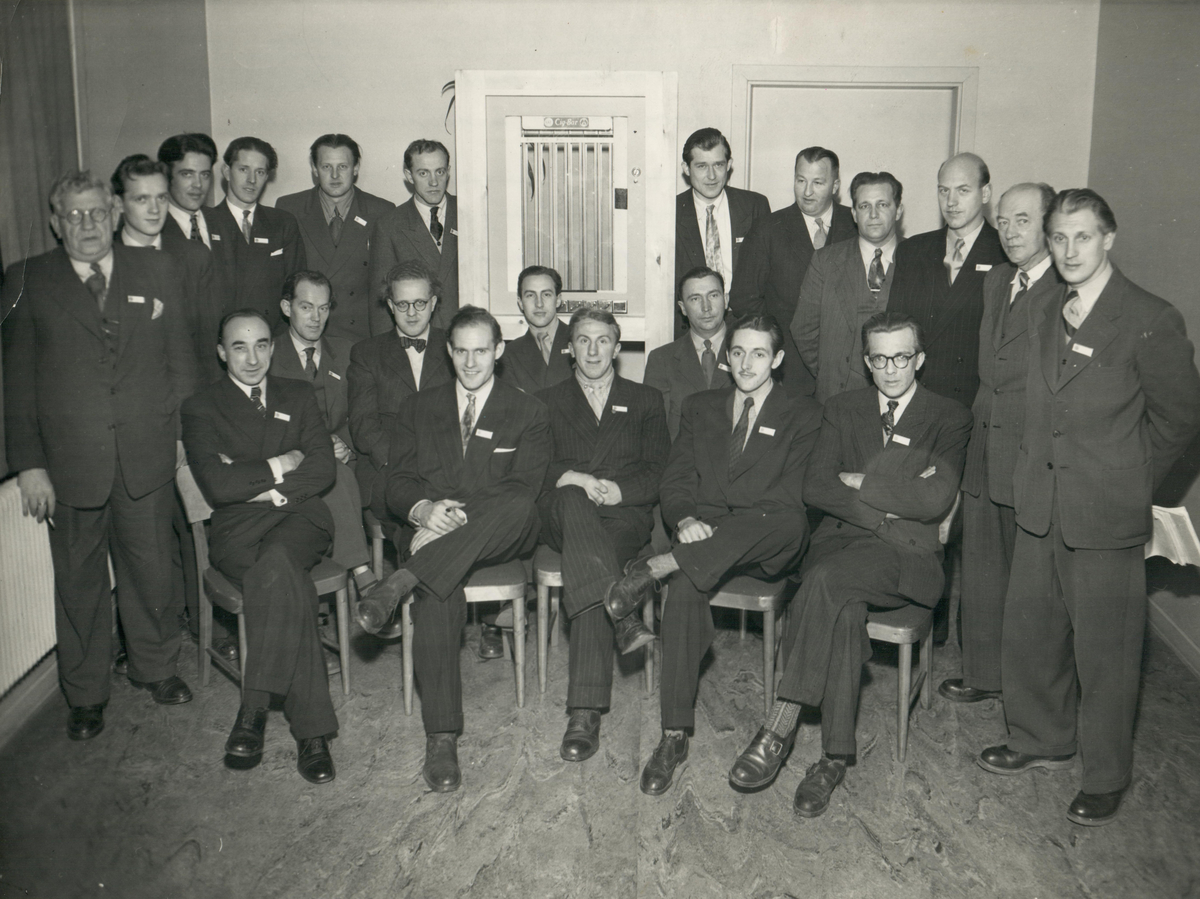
195,506
948,521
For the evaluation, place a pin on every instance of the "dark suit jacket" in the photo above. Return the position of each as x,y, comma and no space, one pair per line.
71,406
1105,416
774,260
173,235
999,408
852,441
827,327
769,475
253,274
674,369
347,266
949,315
745,207
522,364
401,235
331,386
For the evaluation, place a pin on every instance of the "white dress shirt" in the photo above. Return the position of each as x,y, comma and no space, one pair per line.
968,242
759,396
724,230
423,210
1088,293
183,218
84,269
237,212
1033,274
301,345
810,222
867,250
716,340
903,399
416,360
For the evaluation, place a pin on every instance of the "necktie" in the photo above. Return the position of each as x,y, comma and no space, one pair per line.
875,272
889,420
737,441
956,260
335,226
256,398
195,235
417,343
435,227
821,236
246,225
1070,312
544,344
708,362
468,421
310,367
98,286
1024,282
592,393
712,242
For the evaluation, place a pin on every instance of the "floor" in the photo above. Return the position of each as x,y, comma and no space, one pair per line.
149,810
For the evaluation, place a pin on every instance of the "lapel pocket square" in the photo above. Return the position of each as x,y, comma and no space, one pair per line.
738,239
980,267
283,416
134,299
360,220
335,376
157,309
505,449
278,252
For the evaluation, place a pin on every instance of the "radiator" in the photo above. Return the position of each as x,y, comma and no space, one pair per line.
26,589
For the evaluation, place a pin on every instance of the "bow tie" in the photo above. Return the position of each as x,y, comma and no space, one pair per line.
415,342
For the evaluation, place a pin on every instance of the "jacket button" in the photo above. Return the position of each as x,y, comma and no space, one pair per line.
985,425
1058,433
839,524
996,391
1050,465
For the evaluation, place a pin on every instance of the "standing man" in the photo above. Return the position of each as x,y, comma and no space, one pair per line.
939,278
1112,399
846,284
609,446
779,248
337,220
425,229
541,357
989,522
711,221
96,362
190,159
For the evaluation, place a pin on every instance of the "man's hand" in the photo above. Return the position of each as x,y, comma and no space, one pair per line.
37,493
290,461
444,516
693,530
422,537
852,479
341,451
592,486
612,492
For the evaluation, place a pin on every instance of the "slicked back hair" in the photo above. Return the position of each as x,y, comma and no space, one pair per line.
412,270
467,316
533,270
700,271
75,182
137,166
295,279
333,142
1078,198
586,314
863,179
241,313
888,322
173,149
705,139
813,155
759,321
257,144
421,145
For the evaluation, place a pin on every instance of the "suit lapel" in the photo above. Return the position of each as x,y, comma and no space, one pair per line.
773,417
76,299
578,413
914,423
868,432
689,364
318,230
692,238
421,239
395,358
1098,330
612,422
130,315
241,414
276,427
480,447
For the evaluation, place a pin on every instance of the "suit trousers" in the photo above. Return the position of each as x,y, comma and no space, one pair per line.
1074,619
501,525
270,559
757,544
345,505
185,582
989,537
137,532
595,542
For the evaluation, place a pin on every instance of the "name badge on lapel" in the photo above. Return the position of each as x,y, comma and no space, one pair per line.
724,367
335,376
360,220
980,267
283,416
486,435
262,240
566,351
1082,350
214,236
901,439
137,299
770,432
455,233
620,409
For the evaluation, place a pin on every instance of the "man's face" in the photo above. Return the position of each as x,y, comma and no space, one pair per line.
246,349
704,305
594,346
751,358
474,355
429,176
308,310
708,171
144,204
876,213
892,380
961,197
538,300
1080,248
91,238
248,176
191,180
406,296
335,171
1019,221
815,186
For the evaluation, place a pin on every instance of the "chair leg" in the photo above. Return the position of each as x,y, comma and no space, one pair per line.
904,683
927,668
377,557
406,649
768,660
543,622
741,624
519,648
202,660
241,618
342,598
555,621
648,620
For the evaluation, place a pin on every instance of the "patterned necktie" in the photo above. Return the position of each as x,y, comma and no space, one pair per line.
708,362
544,344
737,442
246,227
1024,282
435,227
889,420
335,226
821,236
195,235
956,260
712,242
98,286
310,367
875,273
595,398
417,343
468,421
256,398
1070,313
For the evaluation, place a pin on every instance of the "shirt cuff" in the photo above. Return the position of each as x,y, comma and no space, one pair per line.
277,498
412,513
276,470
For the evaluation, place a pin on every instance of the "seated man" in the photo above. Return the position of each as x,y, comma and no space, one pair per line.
731,495
261,454
610,445
540,357
467,461
885,472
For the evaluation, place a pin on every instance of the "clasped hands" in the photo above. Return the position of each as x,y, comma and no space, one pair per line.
601,491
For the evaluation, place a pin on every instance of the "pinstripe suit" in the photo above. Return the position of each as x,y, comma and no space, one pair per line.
629,445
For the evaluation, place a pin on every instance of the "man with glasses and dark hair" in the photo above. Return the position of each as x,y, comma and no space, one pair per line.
541,357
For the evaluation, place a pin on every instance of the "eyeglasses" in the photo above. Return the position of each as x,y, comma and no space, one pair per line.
97,216
900,360
403,305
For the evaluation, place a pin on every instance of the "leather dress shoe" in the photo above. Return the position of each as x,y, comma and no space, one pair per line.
812,796
246,739
121,663
491,642
759,763
228,650
172,691
956,691
1095,809
313,760
1002,760
441,771
376,605
631,633
393,628
660,770
582,738
623,597
85,721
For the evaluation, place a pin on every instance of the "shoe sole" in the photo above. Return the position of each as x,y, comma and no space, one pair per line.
242,755
637,644
757,786
578,758
1092,822
964,700
1036,763
79,738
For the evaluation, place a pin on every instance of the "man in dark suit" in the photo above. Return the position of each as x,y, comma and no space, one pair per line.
468,459
989,522
425,228
254,246
778,249
846,284
96,361
541,357
1112,399
731,494
190,159
885,472
711,220
261,454
698,360
337,220
610,443
939,278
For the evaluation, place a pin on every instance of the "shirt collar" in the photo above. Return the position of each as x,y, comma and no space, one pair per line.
967,239
551,330
867,250
245,388
301,346
128,240
424,335
84,269
702,202
342,204
716,340
825,218
183,218
904,399
481,395
759,396
1036,272
603,384
1090,292
237,211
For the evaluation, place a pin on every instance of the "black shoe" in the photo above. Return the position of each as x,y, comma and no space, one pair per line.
491,642
172,691
672,749
812,796
582,738
1002,760
121,663
85,721
759,763
623,597
313,760
631,634
376,606
1095,809
955,691
393,628
228,650
440,770
246,739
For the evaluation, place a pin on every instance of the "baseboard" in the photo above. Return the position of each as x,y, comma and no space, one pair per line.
1176,619
27,697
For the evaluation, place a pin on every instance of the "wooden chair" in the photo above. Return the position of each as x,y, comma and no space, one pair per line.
328,577
375,533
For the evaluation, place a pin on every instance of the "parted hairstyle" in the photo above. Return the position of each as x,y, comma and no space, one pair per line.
474,315
813,155
530,271
863,179
295,279
257,144
700,271
412,270
173,149
586,314
333,142
705,139
888,322
1077,198
759,321
419,146
241,313
137,166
